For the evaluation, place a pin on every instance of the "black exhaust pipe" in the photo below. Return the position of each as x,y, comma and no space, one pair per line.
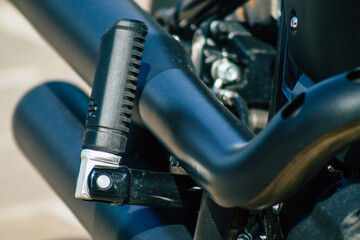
48,126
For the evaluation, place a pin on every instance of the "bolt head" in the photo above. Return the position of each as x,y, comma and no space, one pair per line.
294,23
103,181
225,70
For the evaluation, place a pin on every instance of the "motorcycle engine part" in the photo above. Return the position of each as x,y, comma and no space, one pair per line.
225,70
189,14
111,101
248,64
324,34
258,119
233,101
337,217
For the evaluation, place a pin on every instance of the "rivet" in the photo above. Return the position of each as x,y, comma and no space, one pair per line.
103,181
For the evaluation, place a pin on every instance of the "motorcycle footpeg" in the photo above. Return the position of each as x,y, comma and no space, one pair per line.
89,160
112,99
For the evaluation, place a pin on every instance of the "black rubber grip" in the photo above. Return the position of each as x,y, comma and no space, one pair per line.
113,93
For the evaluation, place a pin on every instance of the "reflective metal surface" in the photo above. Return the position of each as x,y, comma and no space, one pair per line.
90,159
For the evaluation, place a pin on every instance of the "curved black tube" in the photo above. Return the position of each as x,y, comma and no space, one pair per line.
217,150
74,29
48,125
221,154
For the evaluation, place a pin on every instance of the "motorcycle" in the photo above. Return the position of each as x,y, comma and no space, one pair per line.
175,134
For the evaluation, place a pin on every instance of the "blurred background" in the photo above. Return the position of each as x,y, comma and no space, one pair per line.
29,208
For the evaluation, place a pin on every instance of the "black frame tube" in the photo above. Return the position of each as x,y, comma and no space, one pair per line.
216,149
74,30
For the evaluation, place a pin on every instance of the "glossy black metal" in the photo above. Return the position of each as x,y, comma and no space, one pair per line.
141,187
325,42
74,29
218,153
254,57
187,14
48,126
71,29
277,98
217,150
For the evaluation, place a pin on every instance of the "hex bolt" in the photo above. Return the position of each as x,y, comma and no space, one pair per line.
225,70
103,181
294,23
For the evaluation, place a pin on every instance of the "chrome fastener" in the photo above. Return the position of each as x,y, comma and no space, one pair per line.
103,181
294,23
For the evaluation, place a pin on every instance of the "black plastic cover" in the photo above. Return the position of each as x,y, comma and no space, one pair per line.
326,40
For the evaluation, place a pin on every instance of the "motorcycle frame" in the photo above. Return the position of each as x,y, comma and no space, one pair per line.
74,29
76,37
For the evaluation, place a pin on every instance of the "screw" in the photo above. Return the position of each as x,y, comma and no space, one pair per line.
294,23
103,181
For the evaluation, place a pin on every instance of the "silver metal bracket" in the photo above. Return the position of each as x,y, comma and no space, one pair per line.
90,159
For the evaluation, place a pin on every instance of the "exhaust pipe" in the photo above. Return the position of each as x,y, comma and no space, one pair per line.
48,126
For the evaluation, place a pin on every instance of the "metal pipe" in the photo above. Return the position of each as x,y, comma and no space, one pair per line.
74,30
232,166
216,149
48,125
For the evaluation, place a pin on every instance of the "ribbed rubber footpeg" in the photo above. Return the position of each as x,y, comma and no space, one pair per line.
113,93
112,99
